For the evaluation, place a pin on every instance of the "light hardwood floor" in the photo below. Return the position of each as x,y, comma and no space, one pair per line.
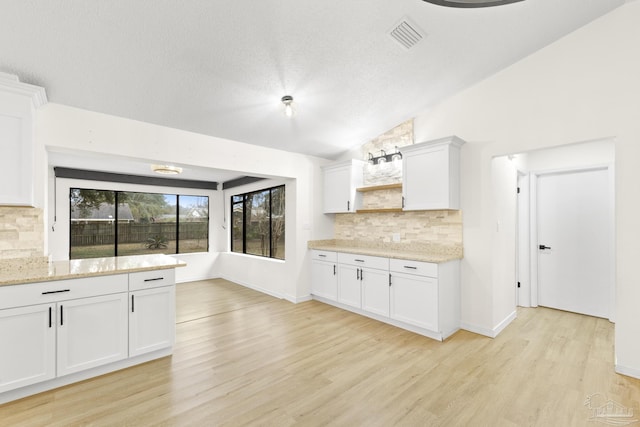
244,358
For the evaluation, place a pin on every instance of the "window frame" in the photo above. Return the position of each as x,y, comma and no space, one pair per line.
116,219
243,203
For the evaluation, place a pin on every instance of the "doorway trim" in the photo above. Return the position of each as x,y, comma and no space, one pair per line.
534,175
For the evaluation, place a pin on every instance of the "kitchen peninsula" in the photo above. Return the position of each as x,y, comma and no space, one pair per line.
412,286
66,321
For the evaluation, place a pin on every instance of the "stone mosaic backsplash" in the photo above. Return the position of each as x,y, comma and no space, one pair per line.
382,199
21,232
391,172
414,227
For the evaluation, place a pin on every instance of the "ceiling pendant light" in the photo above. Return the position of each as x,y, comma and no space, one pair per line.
289,109
471,3
166,169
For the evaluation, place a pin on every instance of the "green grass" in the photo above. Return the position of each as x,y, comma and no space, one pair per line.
186,246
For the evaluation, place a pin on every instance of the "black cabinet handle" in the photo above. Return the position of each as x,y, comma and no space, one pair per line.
348,205
56,292
389,279
50,320
411,267
61,315
361,275
358,260
403,202
357,274
543,247
322,256
133,304
334,269
154,279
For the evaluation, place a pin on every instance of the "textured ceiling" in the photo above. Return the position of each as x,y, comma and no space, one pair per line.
220,67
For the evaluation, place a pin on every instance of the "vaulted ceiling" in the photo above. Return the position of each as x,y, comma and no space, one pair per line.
220,68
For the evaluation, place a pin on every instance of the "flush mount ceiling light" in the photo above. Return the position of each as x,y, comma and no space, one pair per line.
289,109
471,3
166,169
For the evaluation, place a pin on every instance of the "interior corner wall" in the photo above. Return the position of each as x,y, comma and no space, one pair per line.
581,88
60,128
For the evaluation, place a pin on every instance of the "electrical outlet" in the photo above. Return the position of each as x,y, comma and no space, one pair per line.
396,237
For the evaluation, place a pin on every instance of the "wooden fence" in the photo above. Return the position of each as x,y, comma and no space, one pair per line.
103,233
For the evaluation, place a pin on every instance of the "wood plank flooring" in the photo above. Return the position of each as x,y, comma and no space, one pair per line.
245,358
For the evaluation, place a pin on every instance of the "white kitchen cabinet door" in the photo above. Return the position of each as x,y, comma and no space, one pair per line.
18,102
152,320
349,289
375,291
414,300
28,337
340,183
431,175
92,332
324,279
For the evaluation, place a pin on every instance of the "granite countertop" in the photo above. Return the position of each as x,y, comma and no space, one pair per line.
426,252
31,270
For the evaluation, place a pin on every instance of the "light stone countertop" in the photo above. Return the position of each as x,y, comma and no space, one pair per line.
32,270
425,252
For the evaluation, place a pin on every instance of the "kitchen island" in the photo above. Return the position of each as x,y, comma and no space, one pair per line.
67,321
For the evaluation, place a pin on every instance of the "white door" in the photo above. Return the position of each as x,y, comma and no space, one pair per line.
27,352
574,241
523,259
92,332
152,320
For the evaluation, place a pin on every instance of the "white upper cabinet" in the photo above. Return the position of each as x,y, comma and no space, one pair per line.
431,174
340,183
18,102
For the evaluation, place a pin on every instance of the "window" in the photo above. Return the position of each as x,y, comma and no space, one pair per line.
258,223
144,223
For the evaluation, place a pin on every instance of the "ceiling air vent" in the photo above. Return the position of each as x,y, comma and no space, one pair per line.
407,33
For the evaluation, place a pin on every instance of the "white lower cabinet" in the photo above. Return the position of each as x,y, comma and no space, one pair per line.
375,291
349,289
28,337
91,332
414,300
151,320
59,332
324,275
420,296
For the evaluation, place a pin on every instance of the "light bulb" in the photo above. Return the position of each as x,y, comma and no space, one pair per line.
289,109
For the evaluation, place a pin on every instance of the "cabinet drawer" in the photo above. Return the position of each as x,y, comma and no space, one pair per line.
324,255
364,261
60,290
414,267
151,279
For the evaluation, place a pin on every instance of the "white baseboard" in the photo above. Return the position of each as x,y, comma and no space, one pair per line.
630,372
196,279
507,320
254,287
487,332
297,300
477,329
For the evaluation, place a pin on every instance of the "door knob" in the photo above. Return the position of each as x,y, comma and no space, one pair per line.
543,247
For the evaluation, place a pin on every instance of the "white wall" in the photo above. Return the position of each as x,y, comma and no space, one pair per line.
581,88
62,128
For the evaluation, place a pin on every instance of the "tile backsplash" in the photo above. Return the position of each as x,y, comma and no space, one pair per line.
21,232
441,227
391,172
